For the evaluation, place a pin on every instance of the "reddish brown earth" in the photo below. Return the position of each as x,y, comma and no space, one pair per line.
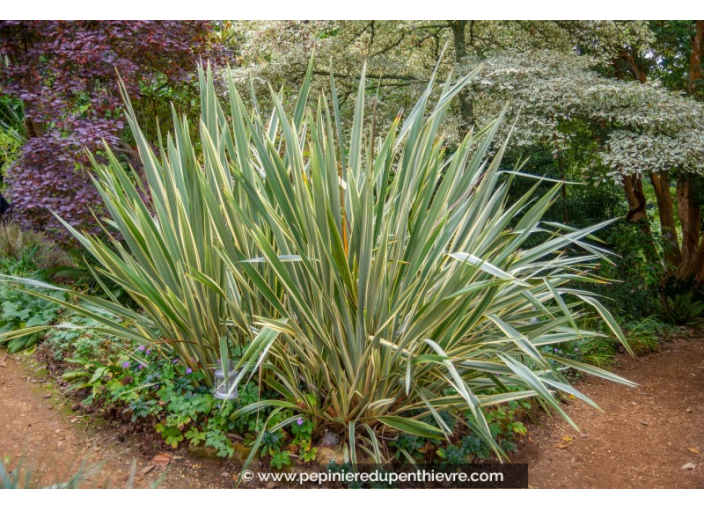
642,439
37,426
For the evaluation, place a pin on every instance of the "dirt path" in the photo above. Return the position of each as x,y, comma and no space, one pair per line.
36,425
642,439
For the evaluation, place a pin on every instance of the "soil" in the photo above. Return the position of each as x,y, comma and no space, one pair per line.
38,428
643,438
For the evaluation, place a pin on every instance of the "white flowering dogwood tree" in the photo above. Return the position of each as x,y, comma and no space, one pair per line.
550,73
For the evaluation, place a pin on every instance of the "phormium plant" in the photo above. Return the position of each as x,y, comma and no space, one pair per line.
404,293
379,284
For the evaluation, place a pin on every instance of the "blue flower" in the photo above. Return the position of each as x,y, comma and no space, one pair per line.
175,361
140,367
299,421
189,370
149,351
126,364
141,348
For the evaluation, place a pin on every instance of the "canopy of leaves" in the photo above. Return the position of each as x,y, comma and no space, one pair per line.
66,74
552,72
645,127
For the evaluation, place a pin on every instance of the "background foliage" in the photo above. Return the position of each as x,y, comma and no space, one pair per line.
614,108
65,73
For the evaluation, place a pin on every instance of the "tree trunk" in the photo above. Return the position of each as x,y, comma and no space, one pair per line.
638,73
633,186
661,184
695,58
689,211
689,214
698,263
637,215
33,128
563,176
694,267
467,121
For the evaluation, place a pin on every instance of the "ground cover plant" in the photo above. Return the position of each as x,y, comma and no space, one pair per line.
27,254
136,390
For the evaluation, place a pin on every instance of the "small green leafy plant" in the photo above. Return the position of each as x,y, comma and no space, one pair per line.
302,430
682,309
20,311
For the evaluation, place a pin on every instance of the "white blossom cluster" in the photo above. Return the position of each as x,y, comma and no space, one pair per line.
647,128
534,67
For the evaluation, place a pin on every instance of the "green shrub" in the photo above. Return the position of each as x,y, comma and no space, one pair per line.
165,259
645,335
25,253
404,293
682,309
20,311
140,385
79,337
28,255
380,286
637,272
12,134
